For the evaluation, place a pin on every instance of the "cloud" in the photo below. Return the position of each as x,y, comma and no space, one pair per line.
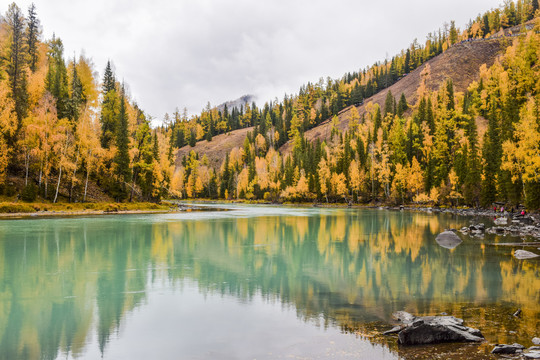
187,53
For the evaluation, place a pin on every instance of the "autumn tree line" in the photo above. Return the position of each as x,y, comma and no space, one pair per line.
63,132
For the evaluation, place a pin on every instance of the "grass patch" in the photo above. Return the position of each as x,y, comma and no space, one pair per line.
11,207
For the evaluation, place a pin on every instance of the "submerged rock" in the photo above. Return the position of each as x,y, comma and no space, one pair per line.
524,254
448,239
393,330
433,330
507,349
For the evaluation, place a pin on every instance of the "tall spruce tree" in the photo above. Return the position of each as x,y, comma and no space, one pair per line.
17,60
402,105
57,80
32,37
123,170
389,104
109,107
77,97
491,153
407,64
472,182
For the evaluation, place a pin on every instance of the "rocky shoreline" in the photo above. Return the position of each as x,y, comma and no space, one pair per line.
429,330
511,224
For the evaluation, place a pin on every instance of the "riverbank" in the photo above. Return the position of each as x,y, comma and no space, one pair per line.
15,210
528,225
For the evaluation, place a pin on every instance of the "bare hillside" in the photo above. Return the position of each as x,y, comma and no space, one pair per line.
461,63
216,149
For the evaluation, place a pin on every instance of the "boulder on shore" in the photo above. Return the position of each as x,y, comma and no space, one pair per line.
524,254
532,353
434,329
507,349
448,239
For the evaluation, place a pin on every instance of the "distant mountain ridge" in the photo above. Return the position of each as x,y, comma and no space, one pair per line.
238,103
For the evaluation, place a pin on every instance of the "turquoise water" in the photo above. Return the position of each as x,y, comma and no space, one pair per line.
254,282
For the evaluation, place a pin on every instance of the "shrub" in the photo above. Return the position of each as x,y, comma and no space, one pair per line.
29,193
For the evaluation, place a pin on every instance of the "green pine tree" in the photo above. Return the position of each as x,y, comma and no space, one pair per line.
16,62
109,108
77,97
32,37
402,105
57,79
123,170
491,153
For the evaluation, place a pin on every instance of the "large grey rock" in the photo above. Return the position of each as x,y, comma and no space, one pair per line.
438,329
534,354
524,254
536,340
501,221
507,349
448,239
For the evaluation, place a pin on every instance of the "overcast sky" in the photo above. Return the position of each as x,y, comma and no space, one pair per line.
186,53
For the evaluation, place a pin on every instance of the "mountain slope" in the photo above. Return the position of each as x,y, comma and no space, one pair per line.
216,149
461,63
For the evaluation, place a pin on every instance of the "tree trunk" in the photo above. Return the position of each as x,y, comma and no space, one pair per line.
86,185
40,172
26,165
74,173
58,185
133,186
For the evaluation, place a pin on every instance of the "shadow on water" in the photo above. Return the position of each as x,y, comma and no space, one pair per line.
64,281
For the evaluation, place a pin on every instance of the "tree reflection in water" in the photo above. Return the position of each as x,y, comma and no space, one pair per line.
63,281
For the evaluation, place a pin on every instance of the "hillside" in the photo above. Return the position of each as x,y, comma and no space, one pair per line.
216,149
461,63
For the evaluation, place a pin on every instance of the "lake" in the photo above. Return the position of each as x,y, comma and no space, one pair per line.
253,282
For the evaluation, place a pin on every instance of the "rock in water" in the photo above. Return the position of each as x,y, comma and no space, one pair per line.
507,349
524,254
533,354
501,221
438,329
536,340
393,330
448,239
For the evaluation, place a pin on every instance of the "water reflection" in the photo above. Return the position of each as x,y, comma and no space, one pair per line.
66,281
